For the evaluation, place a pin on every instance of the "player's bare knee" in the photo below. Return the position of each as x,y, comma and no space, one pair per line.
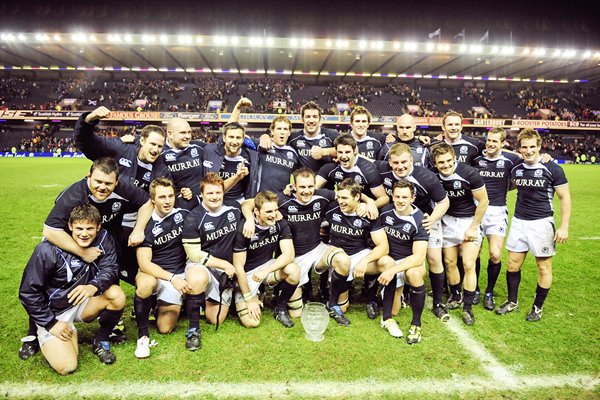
293,274
165,327
415,276
144,286
116,297
66,368
341,263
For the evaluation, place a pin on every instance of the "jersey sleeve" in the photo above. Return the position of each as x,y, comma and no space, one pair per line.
58,218
475,180
558,175
136,196
191,225
92,145
31,292
286,231
148,235
372,175
325,170
240,243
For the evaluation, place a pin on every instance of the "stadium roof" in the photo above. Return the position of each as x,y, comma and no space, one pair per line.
462,41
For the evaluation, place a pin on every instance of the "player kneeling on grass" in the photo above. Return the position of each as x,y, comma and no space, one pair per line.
254,263
351,256
163,272
408,241
59,288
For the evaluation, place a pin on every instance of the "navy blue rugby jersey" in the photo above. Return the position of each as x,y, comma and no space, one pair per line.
402,230
126,198
535,189
228,169
460,186
496,175
185,166
216,230
428,188
305,219
264,244
163,236
466,149
419,151
303,145
276,167
347,231
370,146
364,172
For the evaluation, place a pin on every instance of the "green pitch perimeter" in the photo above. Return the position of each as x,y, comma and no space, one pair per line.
565,342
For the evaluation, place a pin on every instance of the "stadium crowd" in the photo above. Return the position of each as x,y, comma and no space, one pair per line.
193,94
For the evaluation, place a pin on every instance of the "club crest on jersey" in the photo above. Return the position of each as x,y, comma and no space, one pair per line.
316,206
301,143
339,175
75,263
178,218
292,209
116,206
463,150
538,173
254,237
170,157
125,162
290,155
387,182
519,172
337,217
230,216
194,152
357,223
147,176
322,142
207,164
456,185
272,229
500,164
369,145
209,226
406,228
358,179
482,163
157,230
389,220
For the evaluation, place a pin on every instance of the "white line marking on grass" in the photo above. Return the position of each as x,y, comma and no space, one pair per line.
467,385
37,237
51,185
496,370
590,238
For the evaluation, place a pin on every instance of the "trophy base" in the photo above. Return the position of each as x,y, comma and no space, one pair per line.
315,338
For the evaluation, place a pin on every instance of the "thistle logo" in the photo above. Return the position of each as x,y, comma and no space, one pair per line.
230,216
406,228
147,176
500,164
290,155
178,218
116,206
316,206
194,152
456,185
357,223
463,150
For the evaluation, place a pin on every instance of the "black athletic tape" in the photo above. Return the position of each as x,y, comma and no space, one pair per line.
331,256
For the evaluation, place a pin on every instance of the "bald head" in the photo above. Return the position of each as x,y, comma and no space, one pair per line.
179,133
406,127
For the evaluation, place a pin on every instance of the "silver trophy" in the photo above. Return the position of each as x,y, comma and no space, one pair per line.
315,319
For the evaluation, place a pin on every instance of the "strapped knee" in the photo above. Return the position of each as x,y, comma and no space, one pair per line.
331,256
295,304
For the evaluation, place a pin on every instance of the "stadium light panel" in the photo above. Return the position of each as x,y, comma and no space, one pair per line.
234,40
255,41
443,47
495,50
307,42
22,37
57,37
463,48
92,38
199,39
539,52
410,46
185,39
362,44
164,39
342,44
556,53
526,51
128,38
270,41
476,48
328,43
587,54
148,39
430,46
293,42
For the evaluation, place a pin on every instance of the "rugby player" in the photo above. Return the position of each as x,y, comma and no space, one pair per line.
208,236
369,143
266,257
494,166
432,200
407,238
163,272
237,166
350,234
532,227
406,127
59,288
461,224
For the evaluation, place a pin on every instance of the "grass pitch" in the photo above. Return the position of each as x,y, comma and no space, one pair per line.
564,342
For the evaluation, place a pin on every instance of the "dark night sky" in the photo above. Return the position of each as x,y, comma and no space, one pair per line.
532,22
